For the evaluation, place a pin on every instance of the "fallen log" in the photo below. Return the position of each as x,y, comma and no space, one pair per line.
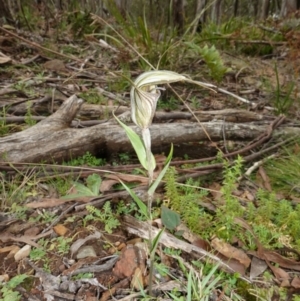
52,139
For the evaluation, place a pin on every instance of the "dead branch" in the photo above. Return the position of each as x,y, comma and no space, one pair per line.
53,140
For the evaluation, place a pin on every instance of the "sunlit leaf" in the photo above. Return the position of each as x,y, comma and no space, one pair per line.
137,144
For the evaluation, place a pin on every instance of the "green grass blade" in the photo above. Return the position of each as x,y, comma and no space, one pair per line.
143,208
162,173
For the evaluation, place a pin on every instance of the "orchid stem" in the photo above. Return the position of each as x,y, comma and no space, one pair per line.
147,142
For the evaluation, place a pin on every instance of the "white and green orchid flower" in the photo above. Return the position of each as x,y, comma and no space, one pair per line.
144,94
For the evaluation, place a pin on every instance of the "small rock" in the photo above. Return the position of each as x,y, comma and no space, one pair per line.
22,253
60,230
131,258
121,246
4,278
127,263
86,251
112,250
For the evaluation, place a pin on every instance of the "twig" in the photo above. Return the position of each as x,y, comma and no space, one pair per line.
55,221
257,165
140,229
97,268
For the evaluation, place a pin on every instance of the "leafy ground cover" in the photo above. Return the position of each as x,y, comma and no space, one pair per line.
224,222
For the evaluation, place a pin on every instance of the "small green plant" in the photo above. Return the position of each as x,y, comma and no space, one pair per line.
92,96
213,60
126,209
104,216
124,158
28,116
169,104
284,171
37,254
62,244
19,210
86,159
172,252
24,86
283,95
81,23
7,289
44,216
92,187
185,201
4,128
199,286
61,184
14,189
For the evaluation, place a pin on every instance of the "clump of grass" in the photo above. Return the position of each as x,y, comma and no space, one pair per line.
273,221
284,171
87,159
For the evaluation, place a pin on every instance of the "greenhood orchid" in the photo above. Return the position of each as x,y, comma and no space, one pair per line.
144,95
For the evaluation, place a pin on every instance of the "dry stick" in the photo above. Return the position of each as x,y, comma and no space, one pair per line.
123,39
199,122
204,170
35,45
140,229
56,220
75,170
257,164
55,168
254,143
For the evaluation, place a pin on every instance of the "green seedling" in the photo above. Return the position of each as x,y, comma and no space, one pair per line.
104,216
8,289
212,58
86,159
91,189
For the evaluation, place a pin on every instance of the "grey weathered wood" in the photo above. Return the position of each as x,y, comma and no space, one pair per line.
53,140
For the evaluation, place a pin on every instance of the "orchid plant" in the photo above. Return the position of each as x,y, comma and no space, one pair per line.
144,95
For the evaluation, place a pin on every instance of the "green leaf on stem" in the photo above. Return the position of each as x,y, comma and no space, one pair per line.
137,144
142,207
162,173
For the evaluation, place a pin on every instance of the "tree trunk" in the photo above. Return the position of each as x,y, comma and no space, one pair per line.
178,13
217,12
200,9
236,8
288,7
255,5
265,9
5,14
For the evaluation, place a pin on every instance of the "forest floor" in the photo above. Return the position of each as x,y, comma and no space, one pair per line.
68,229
